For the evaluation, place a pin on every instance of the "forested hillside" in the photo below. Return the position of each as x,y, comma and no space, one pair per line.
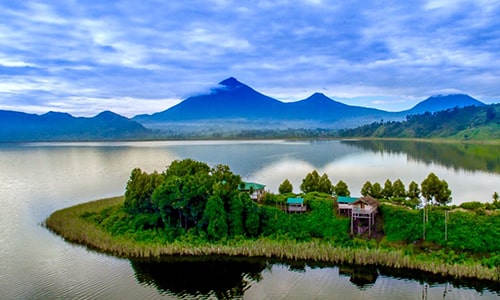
472,122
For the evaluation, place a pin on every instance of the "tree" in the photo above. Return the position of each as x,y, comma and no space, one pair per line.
139,190
376,191
252,219
215,217
496,202
286,187
367,189
235,215
436,190
325,185
310,182
387,191
413,190
341,189
398,189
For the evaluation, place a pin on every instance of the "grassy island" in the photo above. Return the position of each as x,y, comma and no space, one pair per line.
192,209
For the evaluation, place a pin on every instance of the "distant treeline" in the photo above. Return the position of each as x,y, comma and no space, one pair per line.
472,122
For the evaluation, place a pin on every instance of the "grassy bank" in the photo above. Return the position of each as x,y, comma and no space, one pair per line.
69,224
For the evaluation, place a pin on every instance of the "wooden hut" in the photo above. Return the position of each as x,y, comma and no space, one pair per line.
255,190
295,205
365,208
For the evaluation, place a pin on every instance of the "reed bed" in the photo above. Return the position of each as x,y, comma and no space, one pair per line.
70,225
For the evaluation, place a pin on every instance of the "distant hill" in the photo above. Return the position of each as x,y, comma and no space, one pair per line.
442,102
236,104
471,122
19,126
233,109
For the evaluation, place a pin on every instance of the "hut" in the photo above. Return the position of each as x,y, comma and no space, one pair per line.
364,209
256,190
344,205
295,205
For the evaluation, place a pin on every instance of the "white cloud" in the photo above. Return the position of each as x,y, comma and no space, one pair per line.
70,50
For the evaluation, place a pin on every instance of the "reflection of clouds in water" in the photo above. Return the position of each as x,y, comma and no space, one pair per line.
273,175
357,168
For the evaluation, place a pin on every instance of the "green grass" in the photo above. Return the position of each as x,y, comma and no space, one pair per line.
70,224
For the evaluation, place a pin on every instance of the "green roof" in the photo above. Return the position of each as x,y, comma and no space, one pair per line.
251,185
294,201
343,199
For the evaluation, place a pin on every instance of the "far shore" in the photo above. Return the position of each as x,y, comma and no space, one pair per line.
69,224
194,139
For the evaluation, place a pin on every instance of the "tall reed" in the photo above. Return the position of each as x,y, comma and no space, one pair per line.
69,224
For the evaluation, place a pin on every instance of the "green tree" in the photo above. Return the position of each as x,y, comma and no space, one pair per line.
310,182
252,219
235,216
286,187
435,190
414,194
387,191
367,189
398,189
376,190
341,189
325,185
139,190
215,218
413,190
496,202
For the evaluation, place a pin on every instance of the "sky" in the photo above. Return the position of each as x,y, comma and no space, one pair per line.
143,56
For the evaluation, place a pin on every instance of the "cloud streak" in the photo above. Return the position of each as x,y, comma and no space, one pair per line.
144,56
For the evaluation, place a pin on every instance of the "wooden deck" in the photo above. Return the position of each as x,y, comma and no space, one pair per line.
293,208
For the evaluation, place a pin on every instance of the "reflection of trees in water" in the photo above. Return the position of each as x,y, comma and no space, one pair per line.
459,156
229,277
220,277
361,276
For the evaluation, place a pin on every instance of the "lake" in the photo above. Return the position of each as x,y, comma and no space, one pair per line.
39,178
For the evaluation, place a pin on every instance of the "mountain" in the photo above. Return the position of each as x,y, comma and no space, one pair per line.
443,102
235,104
19,126
320,107
232,99
466,123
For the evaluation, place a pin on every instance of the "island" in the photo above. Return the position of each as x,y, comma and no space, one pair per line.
194,209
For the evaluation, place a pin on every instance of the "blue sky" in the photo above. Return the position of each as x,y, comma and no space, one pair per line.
143,56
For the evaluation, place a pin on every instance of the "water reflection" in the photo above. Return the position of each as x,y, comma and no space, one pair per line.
200,277
360,276
458,156
232,277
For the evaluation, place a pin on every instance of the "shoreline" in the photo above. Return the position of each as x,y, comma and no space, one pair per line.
423,140
69,224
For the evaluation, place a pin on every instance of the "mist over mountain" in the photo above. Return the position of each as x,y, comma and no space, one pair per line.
231,107
236,104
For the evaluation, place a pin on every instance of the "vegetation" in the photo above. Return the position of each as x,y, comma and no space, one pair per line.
468,123
193,209
286,187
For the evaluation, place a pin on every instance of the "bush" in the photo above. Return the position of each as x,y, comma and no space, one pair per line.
471,205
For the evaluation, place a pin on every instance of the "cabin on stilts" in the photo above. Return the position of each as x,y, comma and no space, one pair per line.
362,212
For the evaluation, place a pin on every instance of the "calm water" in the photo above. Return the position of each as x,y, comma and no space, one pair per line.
36,179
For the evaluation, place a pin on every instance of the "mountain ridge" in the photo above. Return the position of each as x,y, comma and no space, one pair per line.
107,125
235,101
231,106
